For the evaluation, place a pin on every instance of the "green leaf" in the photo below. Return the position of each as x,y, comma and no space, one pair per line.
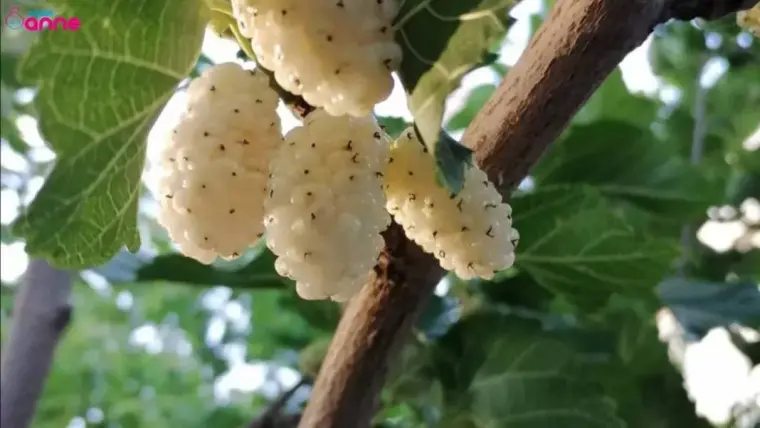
516,290
678,52
410,382
475,102
456,357
509,373
100,89
626,162
319,314
274,328
612,101
701,306
393,126
531,380
731,105
258,274
10,133
438,315
573,244
442,41
452,160
8,64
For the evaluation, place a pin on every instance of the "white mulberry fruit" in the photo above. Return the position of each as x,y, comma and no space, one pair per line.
337,54
750,20
213,170
470,233
326,207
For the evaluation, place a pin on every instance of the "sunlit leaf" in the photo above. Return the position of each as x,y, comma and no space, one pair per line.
100,89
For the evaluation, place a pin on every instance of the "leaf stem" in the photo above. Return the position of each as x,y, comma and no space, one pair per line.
415,10
243,43
699,133
221,6
295,103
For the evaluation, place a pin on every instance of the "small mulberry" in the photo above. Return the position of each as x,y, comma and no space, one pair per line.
213,168
750,20
325,210
470,233
337,54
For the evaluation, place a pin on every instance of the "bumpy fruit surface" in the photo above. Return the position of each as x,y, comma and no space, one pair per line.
337,54
213,169
750,20
325,210
470,234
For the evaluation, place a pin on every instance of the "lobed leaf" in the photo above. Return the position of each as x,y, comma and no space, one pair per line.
627,162
573,244
100,89
531,380
258,274
505,371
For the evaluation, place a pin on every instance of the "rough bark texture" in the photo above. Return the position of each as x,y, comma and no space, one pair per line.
41,313
374,324
578,46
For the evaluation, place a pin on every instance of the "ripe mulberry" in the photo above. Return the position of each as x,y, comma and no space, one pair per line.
325,210
750,20
337,54
470,233
213,169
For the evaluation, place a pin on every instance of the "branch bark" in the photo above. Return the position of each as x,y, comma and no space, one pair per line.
41,314
577,47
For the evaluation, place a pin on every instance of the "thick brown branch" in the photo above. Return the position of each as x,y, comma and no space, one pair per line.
356,363
578,46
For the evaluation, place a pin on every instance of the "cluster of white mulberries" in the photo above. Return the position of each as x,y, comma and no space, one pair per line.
750,20
326,208
470,233
213,169
337,54
323,195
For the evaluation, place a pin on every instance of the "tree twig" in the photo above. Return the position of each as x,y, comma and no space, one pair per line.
699,133
41,314
272,414
578,46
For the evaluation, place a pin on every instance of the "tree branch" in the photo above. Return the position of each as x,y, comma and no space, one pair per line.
374,324
41,314
578,46
271,418
699,133
573,52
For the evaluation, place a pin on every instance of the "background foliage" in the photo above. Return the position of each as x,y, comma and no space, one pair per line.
565,338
